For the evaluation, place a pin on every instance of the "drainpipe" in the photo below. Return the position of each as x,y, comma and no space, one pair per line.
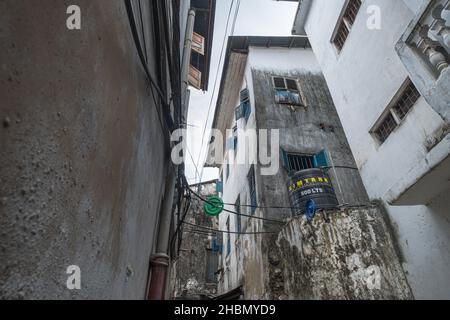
160,261
185,63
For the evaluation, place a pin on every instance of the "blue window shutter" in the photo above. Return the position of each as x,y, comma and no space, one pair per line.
285,159
321,160
253,201
230,143
247,110
219,186
239,112
244,95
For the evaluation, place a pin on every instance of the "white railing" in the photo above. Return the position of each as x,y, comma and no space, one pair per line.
431,36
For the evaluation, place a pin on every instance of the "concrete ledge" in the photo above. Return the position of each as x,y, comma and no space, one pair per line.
427,179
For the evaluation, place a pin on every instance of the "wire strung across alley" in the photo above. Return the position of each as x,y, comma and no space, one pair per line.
226,231
217,77
233,212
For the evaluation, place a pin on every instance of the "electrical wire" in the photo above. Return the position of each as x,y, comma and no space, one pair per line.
215,85
134,31
226,231
193,162
233,212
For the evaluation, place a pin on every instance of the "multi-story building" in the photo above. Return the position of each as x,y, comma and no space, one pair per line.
276,84
387,66
89,96
196,263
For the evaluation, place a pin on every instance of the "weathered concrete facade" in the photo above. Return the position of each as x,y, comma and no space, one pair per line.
347,254
194,270
264,263
84,152
304,131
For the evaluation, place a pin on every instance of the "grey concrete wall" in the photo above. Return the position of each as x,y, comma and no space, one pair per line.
305,130
82,164
348,255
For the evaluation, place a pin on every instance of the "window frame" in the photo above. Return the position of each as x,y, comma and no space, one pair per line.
286,88
390,111
343,22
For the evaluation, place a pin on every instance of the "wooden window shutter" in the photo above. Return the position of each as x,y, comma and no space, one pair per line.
198,43
195,77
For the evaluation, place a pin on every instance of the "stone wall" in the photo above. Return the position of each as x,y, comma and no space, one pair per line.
346,254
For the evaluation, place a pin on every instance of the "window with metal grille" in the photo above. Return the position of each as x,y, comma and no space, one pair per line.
345,25
386,127
407,100
252,186
299,162
398,109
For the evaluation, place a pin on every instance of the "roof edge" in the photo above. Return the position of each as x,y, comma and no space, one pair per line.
303,9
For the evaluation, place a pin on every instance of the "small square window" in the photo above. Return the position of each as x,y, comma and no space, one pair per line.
278,83
287,91
291,84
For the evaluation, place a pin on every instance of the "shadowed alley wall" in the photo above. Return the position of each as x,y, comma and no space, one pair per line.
83,157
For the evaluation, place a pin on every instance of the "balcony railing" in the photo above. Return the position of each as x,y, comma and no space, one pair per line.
424,49
431,36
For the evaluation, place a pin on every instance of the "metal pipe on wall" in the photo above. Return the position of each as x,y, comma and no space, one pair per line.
185,63
161,260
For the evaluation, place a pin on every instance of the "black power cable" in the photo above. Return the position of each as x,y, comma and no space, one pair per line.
225,231
134,31
233,212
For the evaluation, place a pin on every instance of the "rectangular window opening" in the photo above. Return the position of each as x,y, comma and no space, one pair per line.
346,23
287,91
406,101
397,111
299,162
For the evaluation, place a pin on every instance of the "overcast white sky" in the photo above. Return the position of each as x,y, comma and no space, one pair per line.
256,18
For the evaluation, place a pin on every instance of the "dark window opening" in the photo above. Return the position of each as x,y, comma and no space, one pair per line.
252,186
397,111
235,139
237,207
386,128
278,83
346,24
294,162
244,108
300,162
291,84
212,264
407,100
